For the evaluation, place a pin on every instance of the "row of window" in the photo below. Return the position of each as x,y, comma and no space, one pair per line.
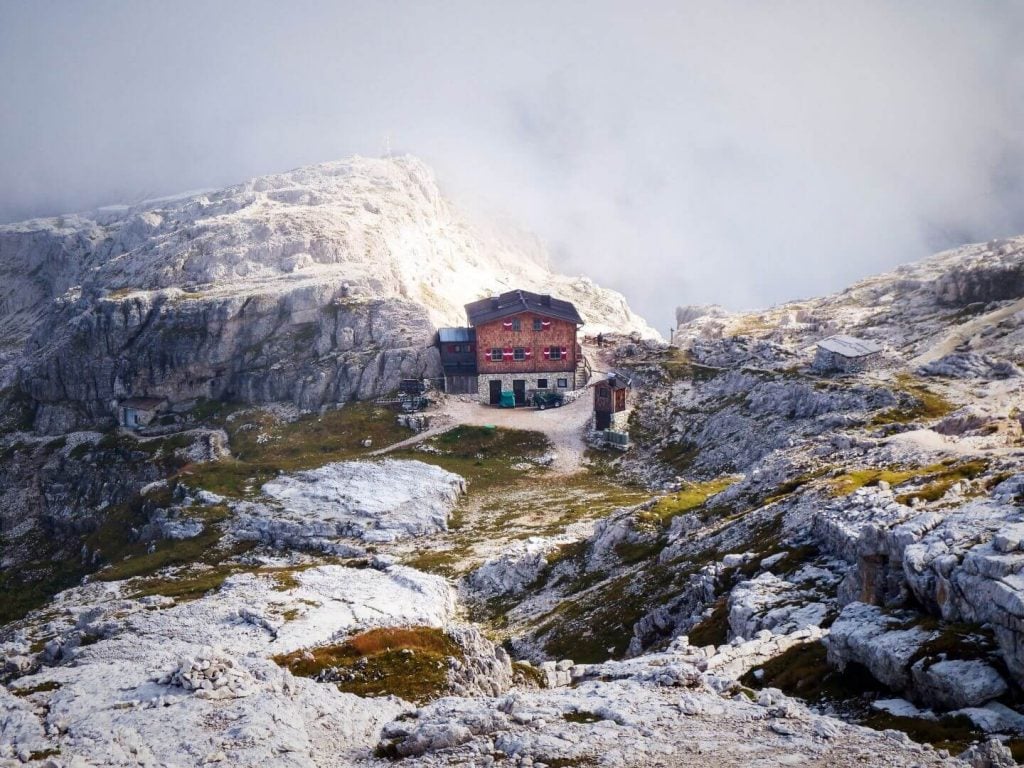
516,324
561,383
523,353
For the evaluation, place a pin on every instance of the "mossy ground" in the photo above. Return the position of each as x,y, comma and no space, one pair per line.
921,403
409,662
935,479
804,672
263,445
686,500
509,497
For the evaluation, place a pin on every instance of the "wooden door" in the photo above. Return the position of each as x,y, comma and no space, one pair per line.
519,389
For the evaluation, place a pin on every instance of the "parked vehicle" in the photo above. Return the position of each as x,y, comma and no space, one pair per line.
544,400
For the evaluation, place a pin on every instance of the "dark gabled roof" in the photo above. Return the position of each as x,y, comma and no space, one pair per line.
514,302
614,380
455,335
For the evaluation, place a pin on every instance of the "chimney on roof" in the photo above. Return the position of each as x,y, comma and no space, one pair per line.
495,302
545,299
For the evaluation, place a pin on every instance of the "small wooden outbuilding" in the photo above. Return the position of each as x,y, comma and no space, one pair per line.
611,402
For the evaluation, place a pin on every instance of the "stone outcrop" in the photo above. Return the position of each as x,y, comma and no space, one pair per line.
368,501
903,653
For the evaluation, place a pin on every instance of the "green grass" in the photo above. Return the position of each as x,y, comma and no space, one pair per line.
44,687
793,485
680,456
686,500
923,404
409,662
136,560
804,672
190,585
263,445
33,583
942,481
505,502
714,630
937,477
483,456
596,627
678,365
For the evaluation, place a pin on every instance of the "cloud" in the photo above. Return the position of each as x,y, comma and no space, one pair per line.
683,152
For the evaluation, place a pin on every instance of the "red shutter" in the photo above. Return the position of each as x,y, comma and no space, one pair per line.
545,324
547,353
507,325
507,354
529,353
565,353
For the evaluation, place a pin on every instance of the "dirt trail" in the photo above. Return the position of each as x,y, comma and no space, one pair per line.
564,426
965,332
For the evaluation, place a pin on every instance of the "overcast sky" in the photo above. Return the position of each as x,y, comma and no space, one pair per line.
742,153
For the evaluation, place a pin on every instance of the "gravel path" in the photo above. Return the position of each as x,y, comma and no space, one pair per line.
565,427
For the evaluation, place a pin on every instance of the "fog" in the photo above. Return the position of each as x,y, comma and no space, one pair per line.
683,152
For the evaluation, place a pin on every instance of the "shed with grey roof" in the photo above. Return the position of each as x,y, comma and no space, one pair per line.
846,354
138,412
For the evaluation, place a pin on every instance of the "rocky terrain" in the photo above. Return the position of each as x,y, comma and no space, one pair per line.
788,567
309,287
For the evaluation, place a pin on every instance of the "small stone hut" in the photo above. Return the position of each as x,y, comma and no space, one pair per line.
846,354
138,412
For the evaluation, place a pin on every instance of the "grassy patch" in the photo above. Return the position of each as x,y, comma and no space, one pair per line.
937,477
804,672
484,456
188,586
167,553
598,627
44,687
922,404
795,484
714,630
680,456
264,445
534,675
937,486
581,717
439,561
678,365
409,662
954,733
684,501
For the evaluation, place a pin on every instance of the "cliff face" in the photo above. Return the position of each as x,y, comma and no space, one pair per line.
314,286
308,346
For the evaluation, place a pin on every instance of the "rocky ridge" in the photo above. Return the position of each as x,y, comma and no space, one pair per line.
813,554
314,286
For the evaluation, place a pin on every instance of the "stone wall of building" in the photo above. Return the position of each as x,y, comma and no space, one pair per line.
826,361
532,380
